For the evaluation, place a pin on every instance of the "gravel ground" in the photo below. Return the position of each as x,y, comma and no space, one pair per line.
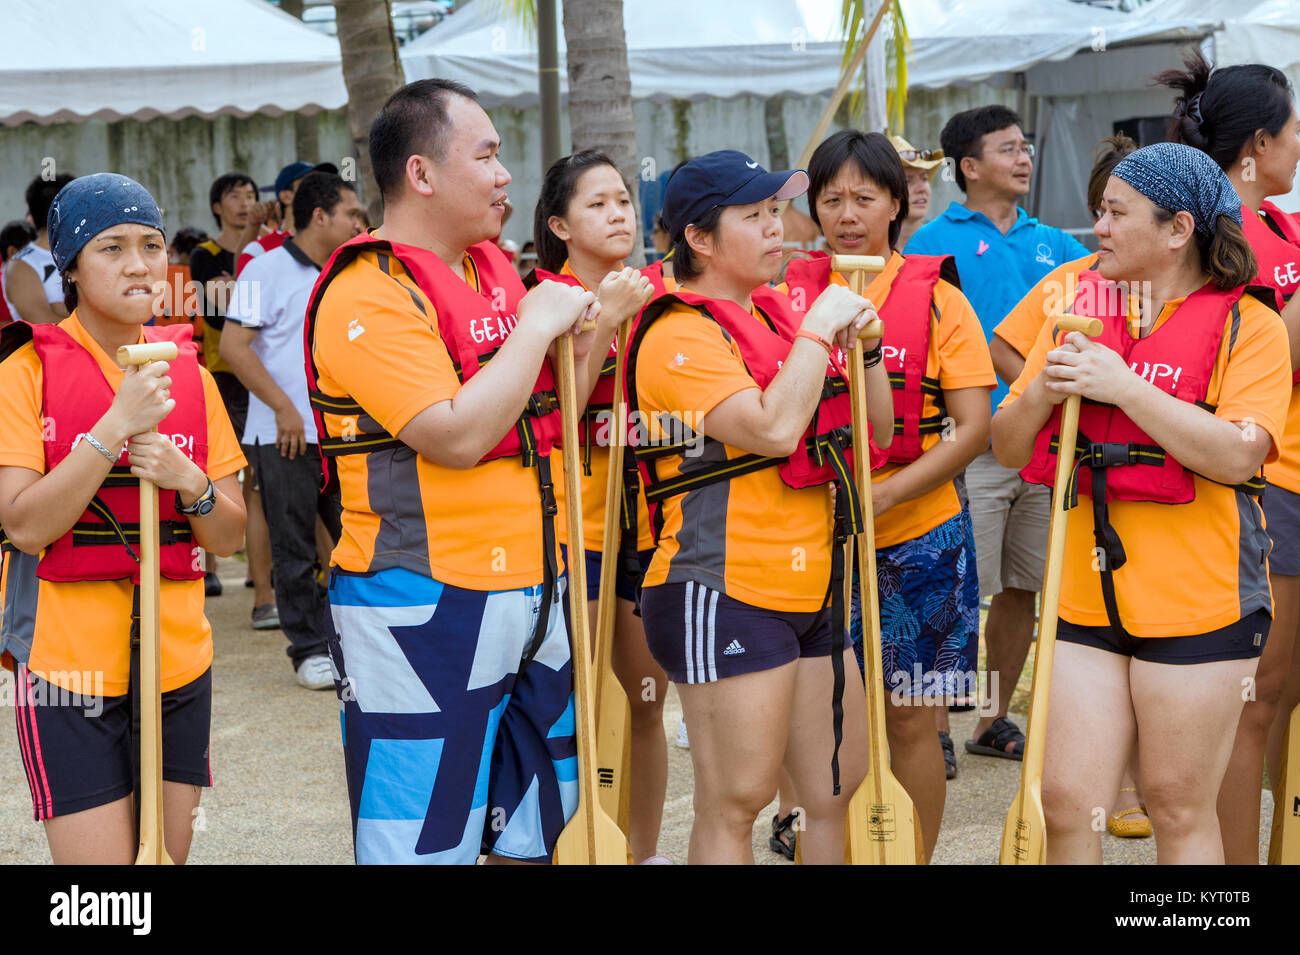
280,795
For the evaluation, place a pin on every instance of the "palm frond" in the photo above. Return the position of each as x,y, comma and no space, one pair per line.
853,27
523,12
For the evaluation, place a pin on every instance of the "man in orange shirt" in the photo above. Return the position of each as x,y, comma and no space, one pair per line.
428,369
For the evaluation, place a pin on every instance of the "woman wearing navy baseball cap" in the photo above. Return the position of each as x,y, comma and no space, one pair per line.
741,444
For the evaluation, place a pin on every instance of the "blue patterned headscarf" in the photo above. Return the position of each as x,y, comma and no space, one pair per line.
1177,177
87,206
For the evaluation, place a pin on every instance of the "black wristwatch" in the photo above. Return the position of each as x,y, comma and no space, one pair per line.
201,507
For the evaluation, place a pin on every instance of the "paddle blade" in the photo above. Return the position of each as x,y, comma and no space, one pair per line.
1284,843
613,749
602,843
1024,835
881,827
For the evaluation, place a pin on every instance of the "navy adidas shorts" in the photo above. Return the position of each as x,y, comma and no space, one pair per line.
700,635
76,744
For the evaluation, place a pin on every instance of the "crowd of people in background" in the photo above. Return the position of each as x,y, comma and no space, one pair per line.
963,467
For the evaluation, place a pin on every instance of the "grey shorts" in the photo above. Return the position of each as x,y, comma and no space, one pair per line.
1010,518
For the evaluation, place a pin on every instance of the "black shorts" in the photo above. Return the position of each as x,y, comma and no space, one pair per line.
1282,517
235,397
700,635
1242,640
76,746
624,587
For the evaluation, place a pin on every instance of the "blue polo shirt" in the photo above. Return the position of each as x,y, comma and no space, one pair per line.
996,270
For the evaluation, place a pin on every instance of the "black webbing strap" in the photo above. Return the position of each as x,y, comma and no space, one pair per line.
550,571
1110,548
837,629
735,467
89,534
590,420
114,531
133,744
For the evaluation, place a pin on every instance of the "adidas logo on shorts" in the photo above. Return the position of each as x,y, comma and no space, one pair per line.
733,649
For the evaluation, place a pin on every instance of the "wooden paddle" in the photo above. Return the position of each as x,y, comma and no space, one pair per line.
1024,835
1284,840
881,827
613,712
153,849
592,837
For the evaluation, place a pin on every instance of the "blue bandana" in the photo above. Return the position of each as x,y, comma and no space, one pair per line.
1177,178
87,206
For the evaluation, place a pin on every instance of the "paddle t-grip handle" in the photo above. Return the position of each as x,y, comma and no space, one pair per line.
1079,323
148,351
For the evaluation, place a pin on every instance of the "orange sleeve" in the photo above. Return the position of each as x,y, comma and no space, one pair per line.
1255,386
374,343
21,439
686,363
1034,362
1045,300
224,456
964,360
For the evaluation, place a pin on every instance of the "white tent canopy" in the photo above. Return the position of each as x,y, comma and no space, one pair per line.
88,59
684,49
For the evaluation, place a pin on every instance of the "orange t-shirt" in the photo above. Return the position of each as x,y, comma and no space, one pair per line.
1045,300
958,358
754,538
594,485
478,528
70,636
1192,567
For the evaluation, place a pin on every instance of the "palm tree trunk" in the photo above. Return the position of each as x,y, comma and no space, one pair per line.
372,72
600,92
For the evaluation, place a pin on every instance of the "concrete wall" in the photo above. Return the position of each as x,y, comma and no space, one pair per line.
176,160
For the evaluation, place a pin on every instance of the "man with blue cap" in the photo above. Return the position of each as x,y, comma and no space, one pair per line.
76,436
285,188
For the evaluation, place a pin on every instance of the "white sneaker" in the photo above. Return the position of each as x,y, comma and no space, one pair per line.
683,741
315,673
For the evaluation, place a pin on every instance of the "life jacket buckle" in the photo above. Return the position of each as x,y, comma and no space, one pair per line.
1107,455
549,506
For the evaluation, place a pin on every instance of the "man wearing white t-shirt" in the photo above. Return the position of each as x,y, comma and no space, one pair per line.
263,343
33,286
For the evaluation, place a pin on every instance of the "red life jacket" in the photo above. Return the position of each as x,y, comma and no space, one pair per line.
1277,248
602,395
908,314
1178,358
103,544
471,324
825,453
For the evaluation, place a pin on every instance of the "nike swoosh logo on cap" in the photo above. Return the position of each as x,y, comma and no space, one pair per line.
752,165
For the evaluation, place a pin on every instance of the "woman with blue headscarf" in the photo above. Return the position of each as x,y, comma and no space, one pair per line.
76,436
1165,602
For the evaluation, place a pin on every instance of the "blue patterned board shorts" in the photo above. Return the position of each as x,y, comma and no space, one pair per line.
929,612
450,752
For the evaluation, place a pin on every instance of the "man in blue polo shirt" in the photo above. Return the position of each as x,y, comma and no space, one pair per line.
1001,254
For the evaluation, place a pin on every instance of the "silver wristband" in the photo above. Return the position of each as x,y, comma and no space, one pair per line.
94,443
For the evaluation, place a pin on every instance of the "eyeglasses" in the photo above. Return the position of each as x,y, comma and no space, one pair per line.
1011,149
912,155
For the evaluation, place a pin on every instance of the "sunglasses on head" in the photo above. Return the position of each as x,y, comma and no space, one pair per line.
912,155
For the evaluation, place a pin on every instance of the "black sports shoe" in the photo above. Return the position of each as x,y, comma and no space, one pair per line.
211,585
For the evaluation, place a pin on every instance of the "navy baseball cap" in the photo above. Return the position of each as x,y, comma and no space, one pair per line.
296,170
723,178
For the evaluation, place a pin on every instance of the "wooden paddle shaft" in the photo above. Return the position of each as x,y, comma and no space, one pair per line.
153,850
1031,772
583,698
613,713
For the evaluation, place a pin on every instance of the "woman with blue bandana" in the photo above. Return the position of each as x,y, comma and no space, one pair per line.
76,437
1244,118
1165,603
